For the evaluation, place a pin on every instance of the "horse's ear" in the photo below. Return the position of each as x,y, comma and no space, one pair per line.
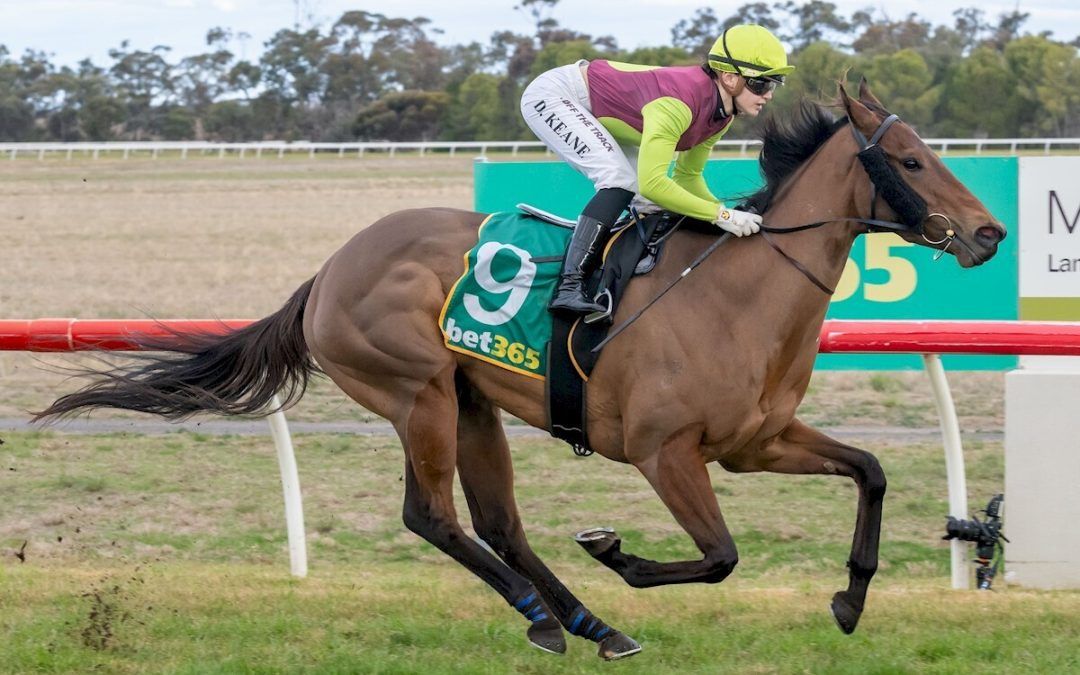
866,95
861,116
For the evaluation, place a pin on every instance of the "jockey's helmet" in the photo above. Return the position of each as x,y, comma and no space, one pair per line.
751,51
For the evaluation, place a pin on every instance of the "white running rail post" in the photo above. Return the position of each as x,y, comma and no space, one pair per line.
290,484
954,465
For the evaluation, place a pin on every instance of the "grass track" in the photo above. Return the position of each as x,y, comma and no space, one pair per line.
167,554
408,618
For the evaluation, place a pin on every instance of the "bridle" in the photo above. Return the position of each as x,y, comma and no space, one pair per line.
886,182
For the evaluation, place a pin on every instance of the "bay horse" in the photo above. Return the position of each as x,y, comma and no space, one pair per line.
712,373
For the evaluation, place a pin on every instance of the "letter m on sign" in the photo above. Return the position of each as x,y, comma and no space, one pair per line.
1070,225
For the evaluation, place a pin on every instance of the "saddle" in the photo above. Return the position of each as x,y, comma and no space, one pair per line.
634,248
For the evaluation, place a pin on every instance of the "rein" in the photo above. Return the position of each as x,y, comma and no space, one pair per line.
884,180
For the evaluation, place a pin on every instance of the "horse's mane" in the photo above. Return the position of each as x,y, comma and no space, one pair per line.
787,142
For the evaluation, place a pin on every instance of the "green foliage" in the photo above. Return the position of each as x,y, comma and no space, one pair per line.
818,67
971,84
317,82
1042,70
475,111
561,53
178,124
404,116
230,121
660,56
903,80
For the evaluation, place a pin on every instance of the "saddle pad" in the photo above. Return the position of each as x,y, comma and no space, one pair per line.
497,310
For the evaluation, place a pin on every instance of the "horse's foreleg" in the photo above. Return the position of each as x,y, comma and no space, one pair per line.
487,479
429,439
802,450
680,477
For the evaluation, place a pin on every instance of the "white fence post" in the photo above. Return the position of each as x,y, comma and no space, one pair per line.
954,465
290,485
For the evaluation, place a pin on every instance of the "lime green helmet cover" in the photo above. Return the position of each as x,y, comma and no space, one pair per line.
750,50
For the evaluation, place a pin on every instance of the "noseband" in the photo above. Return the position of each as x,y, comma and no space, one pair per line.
885,181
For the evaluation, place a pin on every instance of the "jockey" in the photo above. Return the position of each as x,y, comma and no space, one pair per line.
621,124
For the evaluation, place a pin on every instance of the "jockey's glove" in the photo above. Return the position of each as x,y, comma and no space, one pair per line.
739,223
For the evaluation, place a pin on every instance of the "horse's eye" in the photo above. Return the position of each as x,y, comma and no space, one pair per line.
911,164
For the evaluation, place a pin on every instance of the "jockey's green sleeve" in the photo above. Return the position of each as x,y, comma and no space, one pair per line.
663,122
689,166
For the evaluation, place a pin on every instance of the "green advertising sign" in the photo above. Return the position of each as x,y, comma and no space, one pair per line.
886,277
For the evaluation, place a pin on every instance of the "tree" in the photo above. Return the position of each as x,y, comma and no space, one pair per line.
1007,29
230,121
879,37
1039,68
292,65
561,53
202,79
970,24
904,80
819,67
981,101
513,52
697,34
475,112
660,56
16,113
403,116
143,79
810,22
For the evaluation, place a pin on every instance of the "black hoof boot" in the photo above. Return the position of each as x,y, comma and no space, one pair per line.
617,646
545,632
549,638
598,541
845,613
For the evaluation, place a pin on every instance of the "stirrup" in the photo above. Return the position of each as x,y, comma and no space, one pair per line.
603,297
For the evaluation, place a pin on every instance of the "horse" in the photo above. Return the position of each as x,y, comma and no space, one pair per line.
712,373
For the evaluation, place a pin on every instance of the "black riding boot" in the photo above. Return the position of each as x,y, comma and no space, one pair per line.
584,252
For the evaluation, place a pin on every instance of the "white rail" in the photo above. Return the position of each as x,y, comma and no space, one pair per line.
280,148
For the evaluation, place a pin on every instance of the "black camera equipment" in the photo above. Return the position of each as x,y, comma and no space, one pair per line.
987,536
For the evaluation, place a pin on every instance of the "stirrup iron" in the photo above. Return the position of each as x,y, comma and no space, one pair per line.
603,298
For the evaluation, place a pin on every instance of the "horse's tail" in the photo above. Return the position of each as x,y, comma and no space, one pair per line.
237,373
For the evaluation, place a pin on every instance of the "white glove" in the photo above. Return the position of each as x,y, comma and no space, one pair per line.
739,223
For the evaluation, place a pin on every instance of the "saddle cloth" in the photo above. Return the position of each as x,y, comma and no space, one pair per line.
497,309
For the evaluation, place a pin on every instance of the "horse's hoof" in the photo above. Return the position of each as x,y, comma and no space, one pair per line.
845,613
549,639
598,540
617,646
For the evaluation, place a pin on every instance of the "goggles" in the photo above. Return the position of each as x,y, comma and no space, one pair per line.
760,86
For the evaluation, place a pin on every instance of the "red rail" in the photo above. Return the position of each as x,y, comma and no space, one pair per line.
952,337
918,337
70,335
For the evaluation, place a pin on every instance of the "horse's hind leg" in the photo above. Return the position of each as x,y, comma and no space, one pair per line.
802,450
429,439
487,478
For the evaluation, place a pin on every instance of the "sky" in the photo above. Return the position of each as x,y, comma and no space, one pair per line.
71,30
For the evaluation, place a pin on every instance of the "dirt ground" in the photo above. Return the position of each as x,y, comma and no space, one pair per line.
232,238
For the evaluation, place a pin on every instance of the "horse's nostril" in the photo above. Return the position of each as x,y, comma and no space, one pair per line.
989,235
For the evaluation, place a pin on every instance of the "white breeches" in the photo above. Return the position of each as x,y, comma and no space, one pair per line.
556,107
